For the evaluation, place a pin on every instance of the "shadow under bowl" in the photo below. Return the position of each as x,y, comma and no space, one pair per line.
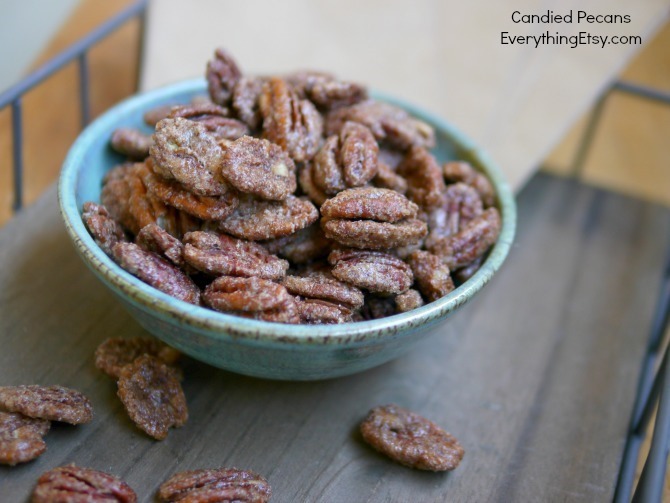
251,347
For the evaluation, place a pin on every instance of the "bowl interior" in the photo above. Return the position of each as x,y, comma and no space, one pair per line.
91,157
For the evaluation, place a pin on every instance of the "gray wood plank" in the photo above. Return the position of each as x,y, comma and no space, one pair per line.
536,376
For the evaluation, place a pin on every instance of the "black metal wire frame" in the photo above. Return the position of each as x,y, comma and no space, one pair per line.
79,51
653,392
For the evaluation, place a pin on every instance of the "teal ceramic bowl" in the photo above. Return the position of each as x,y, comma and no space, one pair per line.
258,348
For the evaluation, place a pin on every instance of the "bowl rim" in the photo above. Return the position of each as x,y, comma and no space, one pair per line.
225,326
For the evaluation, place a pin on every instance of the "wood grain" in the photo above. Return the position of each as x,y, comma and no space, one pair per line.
536,376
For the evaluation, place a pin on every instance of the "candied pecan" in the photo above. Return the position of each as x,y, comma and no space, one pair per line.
306,179
293,124
258,167
462,204
374,271
303,246
154,115
76,484
152,396
383,205
212,485
154,239
411,439
387,122
466,272
126,198
470,243
105,230
329,94
408,301
432,276
386,178
369,234
115,353
183,150
21,438
132,143
424,178
323,286
302,80
321,312
252,298
156,272
460,171
176,195
326,173
222,75
55,403
214,118
258,220
219,254
246,94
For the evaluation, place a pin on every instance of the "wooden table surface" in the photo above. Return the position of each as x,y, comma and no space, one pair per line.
536,376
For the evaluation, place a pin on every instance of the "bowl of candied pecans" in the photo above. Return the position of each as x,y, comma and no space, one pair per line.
291,227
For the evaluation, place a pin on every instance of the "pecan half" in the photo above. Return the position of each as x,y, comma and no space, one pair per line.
151,394
321,312
407,301
323,286
259,220
425,184
21,438
222,484
214,118
470,243
222,75
387,178
383,205
246,94
373,271
132,143
76,484
432,276
183,150
372,235
156,272
115,353
154,239
460,171
218,254
105,230
258,167
410,439
311,190
293,124
55,403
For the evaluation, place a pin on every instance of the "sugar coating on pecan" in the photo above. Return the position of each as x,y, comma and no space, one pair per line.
115,353
259,220
154,239
304,246
373,235
387,122
54,403
105,230
76,484
183,150
218,254
152,395
156,272
383,205
260,168
175,194
411,439
214,118
431,275
461,171
21,438
293,124
132,143
322,285
471,242
425,184
212,485
376,272
222,74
